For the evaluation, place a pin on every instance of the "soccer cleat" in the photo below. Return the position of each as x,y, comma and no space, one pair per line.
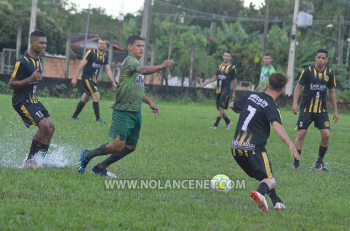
280,206
260,199
76,119
296,164
214,127
228,126
101,121
320,166
99,172
82,162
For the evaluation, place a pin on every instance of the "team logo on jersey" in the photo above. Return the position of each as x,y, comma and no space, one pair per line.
96,65
326,78
221,77
262,78
140,81
326,124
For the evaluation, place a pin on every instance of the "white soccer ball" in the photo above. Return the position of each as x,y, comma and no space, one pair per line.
221,183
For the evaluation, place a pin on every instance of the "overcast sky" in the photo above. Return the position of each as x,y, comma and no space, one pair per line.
130,6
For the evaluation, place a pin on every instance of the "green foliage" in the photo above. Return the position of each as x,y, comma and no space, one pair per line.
4,88
60,91
43,93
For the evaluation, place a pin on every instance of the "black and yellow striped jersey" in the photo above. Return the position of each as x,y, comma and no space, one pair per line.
94,64
24,68
225,75
315,89
257,111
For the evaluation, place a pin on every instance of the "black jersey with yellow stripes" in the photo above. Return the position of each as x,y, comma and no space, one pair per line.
257,111
24,68
315,89
94,64
225,74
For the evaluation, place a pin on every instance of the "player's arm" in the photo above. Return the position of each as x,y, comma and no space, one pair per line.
209,81
234,83
77,73
110,75
153,69
15,83
334,104
264,88
282,134
297,91
155,108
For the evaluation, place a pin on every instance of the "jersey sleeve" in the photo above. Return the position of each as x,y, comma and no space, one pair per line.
331,82
273,114
106,60
18,71
272,70
303,76
132,64
238,104
88,55
233,73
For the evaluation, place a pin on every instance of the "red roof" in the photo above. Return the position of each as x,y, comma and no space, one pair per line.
94,39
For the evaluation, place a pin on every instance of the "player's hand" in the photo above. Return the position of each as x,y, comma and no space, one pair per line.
335,117
203,85
114,86
295,109
155,109
36,76
233,96
168,63
294,152
74,82
231,105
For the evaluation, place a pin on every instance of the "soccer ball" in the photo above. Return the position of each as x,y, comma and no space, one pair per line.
221,183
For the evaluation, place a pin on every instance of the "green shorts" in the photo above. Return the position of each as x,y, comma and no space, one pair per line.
127,125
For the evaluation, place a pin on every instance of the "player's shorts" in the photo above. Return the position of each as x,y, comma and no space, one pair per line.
256,164
127,125
90,86
222,99
32,114
306,118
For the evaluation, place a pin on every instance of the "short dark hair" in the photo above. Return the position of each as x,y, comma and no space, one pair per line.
322,50
102,39
131,40
36,34
228,52
268,54
277,81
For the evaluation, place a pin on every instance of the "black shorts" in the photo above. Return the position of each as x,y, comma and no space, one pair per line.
306,118
32,113
256,164
90,86
222,99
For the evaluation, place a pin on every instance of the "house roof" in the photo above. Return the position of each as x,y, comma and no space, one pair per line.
80,39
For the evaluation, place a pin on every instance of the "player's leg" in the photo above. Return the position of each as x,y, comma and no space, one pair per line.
304,121
322,123
218,118
96,106
85,98
224,99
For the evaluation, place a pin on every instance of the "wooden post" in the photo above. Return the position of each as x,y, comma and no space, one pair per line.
66,67
110,54
191,80
19,41
152,59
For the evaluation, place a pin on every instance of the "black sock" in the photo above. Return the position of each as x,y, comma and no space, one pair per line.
114,158
227,120
34,149
263,188
80,107
321,153
274,198
100,151
96,107
217,121
296,162
43,149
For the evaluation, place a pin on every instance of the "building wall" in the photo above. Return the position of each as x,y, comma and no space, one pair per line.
55,67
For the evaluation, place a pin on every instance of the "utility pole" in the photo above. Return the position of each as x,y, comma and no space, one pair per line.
66,70
19,41
146,23
32,19
291,59
169,51
266,23
110,54
86,30
340,41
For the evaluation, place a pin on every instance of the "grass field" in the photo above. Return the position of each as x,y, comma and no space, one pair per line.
176,146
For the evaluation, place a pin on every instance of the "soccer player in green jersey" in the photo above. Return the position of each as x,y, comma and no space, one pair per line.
25,78
126,121
266,71
315,79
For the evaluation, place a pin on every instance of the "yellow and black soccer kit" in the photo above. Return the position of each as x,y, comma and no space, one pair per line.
92,69
313,104
258,110
225,75
24,100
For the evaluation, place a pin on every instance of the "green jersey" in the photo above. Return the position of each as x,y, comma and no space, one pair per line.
131,87
264,75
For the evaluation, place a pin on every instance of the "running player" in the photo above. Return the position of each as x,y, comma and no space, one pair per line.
225,74
257,111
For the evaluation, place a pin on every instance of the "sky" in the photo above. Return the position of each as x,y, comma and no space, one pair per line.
130,6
